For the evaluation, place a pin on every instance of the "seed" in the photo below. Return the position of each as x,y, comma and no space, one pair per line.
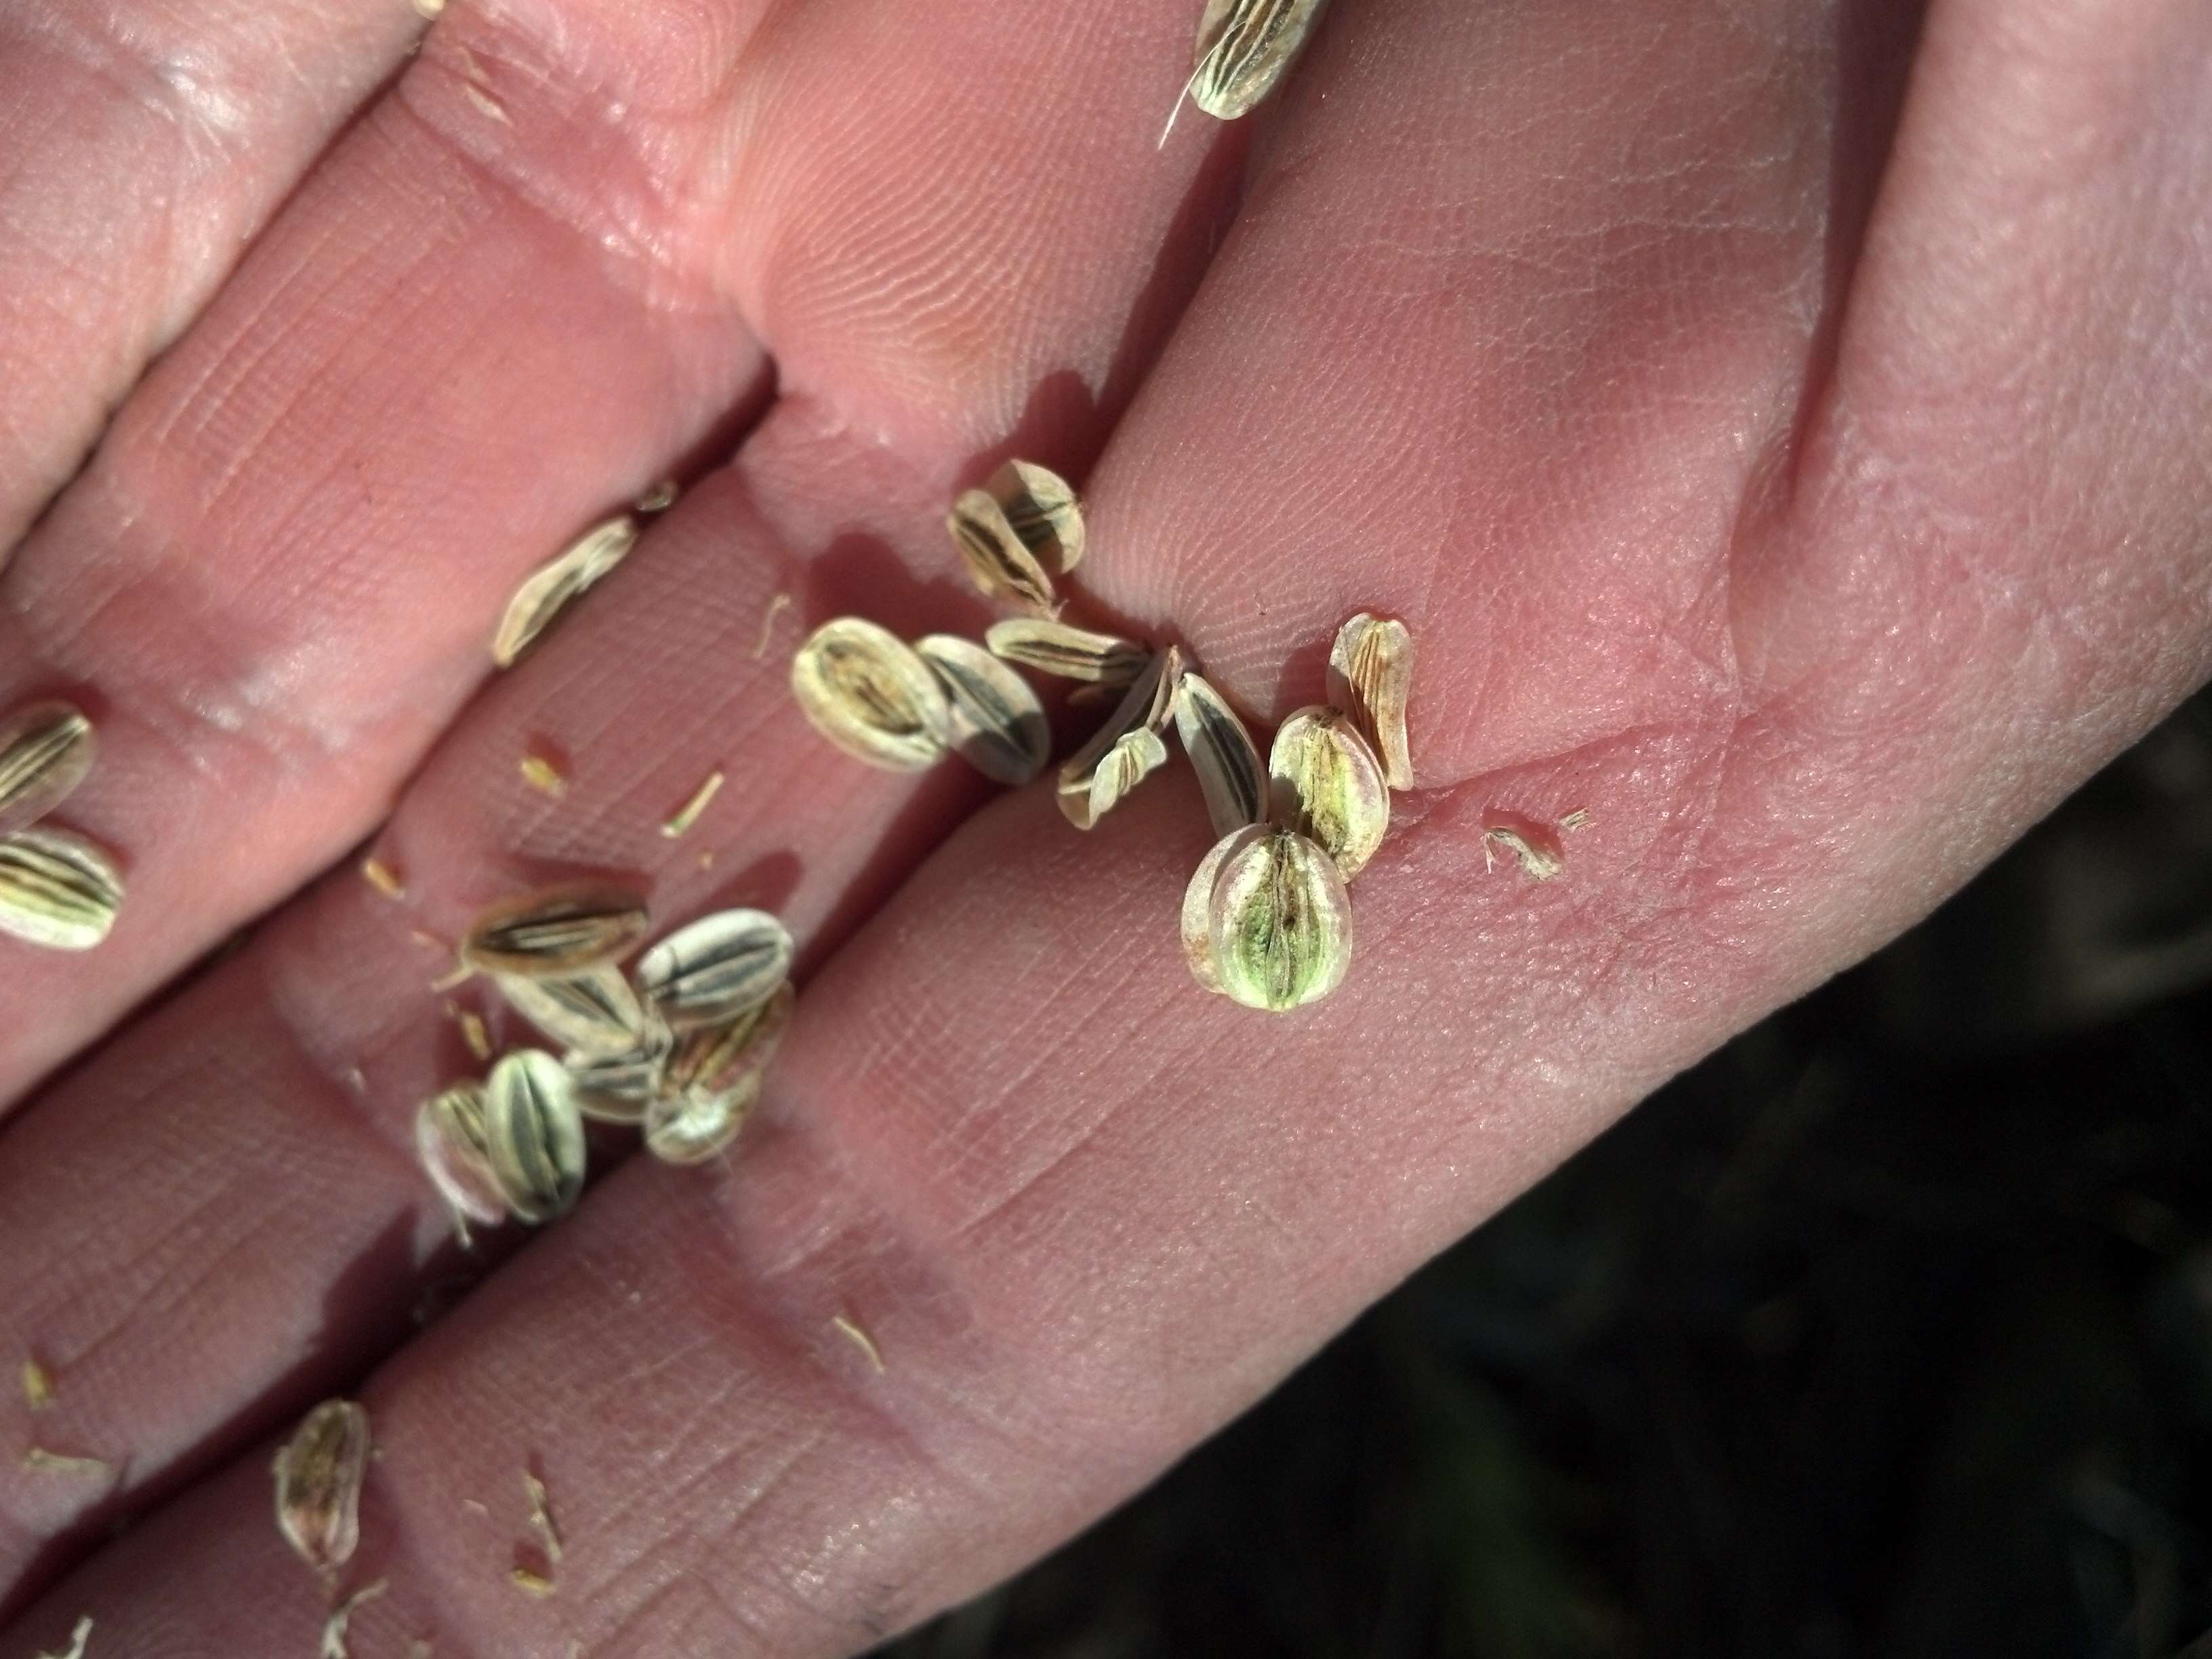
997,725
383,878
724,1062
867,692
454,1147
659,499
1041,509
1198,905
689,814
57,889
1281,922
594,1012
536,1129
1071,654
715,968
555,931
617,1088
1325,783
544,775
1124,750
1222,754
556,584
1370,674
82,1634
1243,48
45,751
997,557
318,1474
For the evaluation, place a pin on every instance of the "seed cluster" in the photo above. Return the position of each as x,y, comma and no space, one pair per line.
57,890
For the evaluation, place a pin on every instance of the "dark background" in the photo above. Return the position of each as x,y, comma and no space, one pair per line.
1888,1331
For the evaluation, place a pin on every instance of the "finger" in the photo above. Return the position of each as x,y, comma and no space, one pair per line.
149,143
292,1072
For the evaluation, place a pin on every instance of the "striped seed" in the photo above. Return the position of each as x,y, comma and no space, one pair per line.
45,751
57,889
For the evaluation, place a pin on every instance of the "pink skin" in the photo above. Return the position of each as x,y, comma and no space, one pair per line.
1783,434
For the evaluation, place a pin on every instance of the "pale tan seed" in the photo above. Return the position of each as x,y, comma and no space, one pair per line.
319,1472
997,559
593,1010
618,1088
1071,654
57,889
1281,925
998,725
543,774
725,1061
554,585
1243,48
535,1125
1370,676
46,751
1577,819
659,499
1134,756
1325,782
712,969
1041,509
865,689
38,1386
453,1145
1222,755
383,878
554,932
684,1130
692,810
1198,905
81,1636
1126,749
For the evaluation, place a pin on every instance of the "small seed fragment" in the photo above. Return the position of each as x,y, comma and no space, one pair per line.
684,1130
1243,48
850,1331
727,1058
530,1583
535,1127
1071,654
716,967
690,813
541,1517
38,1386
319,1473
1198,905
1041,509
78,1636
341,1617
53,1462
776,607
1281,922
1541,857
997,725
594,1012
383,878
1126,749
551,932
1325,783
45,751
544,774
998,559
659,499
617,1088
1222,755
867,692
453,1145
1370,675
57,889
560,581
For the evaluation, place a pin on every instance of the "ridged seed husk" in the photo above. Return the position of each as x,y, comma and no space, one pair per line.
1071,654
1043,511
556,931
593,1010
1222,755
686,1129
455,1150
1281,922
1370,675
998,725
57,890
1128,749
558,583
1243,48
1198,905
617,1088
45,751
534,1125
996,556
716,967
729,1059
319,1473
1325,782
866,691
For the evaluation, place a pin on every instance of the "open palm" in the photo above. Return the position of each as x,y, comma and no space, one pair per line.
1782,426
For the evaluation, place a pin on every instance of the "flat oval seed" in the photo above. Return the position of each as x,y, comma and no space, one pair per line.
45,751
865,689
1198,905
554,585
1072,653
57,890
318,1474
1326,784
727,1058
535,1127
998,725
1042,508
553,932
1281,922
715,968
996,556
594,1012
1370,676
1243,48
452,1143
1222,755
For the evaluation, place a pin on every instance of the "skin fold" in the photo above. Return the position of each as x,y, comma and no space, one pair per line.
1780,425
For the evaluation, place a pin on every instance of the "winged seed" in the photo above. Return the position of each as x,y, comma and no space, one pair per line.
996,555
1325,783
715,968
57,889
552,932
319,1473
454,1148
1370,675
1280,925
45,751
556,584
1124,750
1222,754
998,725
1071,654
1041,509
535,1127
1243,48
866,691
594,1010
1198,905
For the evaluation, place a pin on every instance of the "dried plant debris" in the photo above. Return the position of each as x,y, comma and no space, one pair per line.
997,725
1267,920
534,1131
1370,676
997,558
383,878
1126,749
38,1386
712,1083
692,810
1243,48
552,932
541,1517
80,1639
57,890
1539,854
850,1331
530,1581
618,1088
319,1472
714,969
341,1618
592,1012
472,1032
1071,654
53,1462
1325,783
46,751
865,690
544,774
454,1147
1041,509
554,585
1222,755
